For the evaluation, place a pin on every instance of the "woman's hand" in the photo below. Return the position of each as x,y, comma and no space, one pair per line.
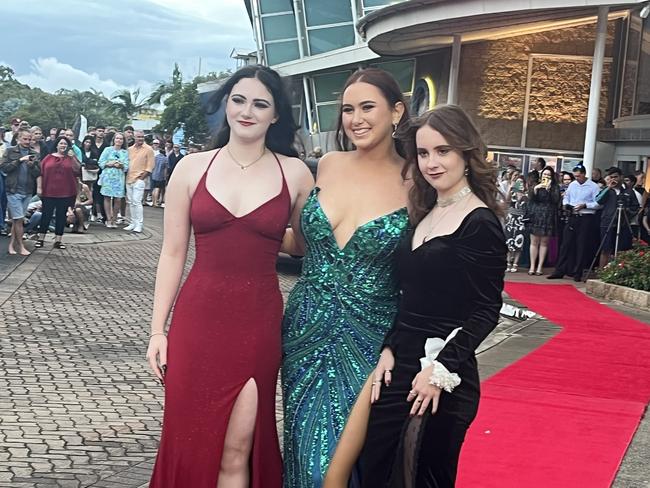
383,372
423,393
157,355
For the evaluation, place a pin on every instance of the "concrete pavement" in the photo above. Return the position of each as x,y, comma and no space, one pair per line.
78,405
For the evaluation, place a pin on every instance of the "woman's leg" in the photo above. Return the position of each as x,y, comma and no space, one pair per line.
48,211
234,471
351,442
61,206
543,250
534,247
108,210
117,205
155,193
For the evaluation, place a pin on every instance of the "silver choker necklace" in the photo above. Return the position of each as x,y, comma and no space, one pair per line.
462,193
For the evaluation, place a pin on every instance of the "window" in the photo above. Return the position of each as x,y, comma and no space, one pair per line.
281,52
337,11
279,31
402,71
330,38
370,5
327,91
642,86
279,27
328,28
275,6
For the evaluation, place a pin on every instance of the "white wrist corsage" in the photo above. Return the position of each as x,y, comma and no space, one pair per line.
440,377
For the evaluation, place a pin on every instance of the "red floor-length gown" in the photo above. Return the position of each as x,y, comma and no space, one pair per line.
225,330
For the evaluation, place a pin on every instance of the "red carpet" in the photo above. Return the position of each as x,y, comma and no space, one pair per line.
563,415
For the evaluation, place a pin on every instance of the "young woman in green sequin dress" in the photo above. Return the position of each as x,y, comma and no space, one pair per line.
346,298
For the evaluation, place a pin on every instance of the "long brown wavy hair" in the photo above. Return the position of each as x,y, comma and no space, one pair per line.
389,87
459,131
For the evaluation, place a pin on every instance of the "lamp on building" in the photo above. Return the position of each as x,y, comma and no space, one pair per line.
645,11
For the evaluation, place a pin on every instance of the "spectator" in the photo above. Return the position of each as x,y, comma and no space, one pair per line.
506,179
114,163
169,145
69,135
100,140
141,164
640,188
611,198
10,136
597,177
89,158
51,144
22,124
174,158
514,223
52,137
543,206
128,133
3,193
21,167
33,215
158,179
580,233
37,144
78,215
59,172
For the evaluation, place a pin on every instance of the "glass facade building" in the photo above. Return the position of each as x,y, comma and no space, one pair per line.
295,31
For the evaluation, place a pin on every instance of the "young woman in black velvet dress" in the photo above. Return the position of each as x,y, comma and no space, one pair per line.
426,386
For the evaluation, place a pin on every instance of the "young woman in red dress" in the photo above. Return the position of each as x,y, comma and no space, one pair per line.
220,361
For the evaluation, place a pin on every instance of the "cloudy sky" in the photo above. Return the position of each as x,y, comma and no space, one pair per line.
113,44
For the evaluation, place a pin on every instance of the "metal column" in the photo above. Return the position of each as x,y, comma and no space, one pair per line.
452,93
594,92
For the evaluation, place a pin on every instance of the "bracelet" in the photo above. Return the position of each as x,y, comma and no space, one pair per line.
157,333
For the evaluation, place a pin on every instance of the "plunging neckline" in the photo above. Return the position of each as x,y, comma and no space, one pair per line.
263,204
443,236
317,190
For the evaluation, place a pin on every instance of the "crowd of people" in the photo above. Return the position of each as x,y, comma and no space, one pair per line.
104,178
582,221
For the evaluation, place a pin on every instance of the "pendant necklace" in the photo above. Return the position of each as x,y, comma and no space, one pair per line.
244,167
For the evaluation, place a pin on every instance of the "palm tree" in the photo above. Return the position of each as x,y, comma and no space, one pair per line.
127,104
165,88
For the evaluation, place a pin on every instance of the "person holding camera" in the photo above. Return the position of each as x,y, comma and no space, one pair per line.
20,165
59,172
618,202
580,231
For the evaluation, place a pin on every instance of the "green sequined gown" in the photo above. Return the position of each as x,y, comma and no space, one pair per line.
334,324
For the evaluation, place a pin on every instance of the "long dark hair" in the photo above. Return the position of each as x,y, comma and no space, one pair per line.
385,82
459,131
280,137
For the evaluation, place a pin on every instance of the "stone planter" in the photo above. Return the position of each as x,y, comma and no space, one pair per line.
628,296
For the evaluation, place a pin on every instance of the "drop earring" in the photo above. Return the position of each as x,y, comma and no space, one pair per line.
394,131
466,170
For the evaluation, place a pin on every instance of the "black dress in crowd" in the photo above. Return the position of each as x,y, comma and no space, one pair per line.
543,209
448,282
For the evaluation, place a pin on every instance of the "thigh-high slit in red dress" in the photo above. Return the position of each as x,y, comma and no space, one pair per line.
225,330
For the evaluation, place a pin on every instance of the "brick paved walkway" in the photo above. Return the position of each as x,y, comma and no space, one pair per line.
78,405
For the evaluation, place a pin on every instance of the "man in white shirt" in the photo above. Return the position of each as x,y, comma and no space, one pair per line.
581,233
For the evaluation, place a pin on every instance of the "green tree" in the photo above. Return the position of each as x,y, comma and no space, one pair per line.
184,106
167,88
127,103
58,109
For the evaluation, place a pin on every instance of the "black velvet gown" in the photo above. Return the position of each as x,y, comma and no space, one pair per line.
448,282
